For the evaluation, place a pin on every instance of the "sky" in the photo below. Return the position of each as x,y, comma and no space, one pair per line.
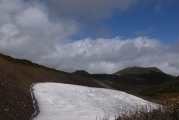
99,36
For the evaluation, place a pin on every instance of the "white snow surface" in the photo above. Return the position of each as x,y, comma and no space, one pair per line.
58,101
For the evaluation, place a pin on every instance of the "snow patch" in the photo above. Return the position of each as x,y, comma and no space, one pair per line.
58,101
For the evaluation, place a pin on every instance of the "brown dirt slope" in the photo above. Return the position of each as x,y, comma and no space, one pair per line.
15,82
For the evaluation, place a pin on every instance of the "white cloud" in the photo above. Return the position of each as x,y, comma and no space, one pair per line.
26,31
11,5
8,30
110,55
32,17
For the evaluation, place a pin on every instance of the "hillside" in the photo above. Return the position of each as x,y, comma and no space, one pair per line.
132,80
138,70
150,76
171,86
16,77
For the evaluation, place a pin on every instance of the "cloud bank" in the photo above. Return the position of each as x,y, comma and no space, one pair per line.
28,32
110,55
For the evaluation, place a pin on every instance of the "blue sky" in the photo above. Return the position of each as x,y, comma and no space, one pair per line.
99,36
162,25
142,20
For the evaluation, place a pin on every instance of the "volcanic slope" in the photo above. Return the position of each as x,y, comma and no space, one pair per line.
131,80
150,75
171,86
16,77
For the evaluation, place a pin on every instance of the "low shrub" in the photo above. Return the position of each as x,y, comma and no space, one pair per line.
169,110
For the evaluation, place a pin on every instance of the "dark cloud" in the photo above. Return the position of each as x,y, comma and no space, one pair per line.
90,9
27,31
174,64
90,13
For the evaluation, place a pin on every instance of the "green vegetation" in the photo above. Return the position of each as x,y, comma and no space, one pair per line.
171,86
22,61
144,84
150,76
168,111
158,114
122,83
138,70
133,82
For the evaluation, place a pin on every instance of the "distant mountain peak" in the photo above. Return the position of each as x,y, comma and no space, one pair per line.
81,72
138,70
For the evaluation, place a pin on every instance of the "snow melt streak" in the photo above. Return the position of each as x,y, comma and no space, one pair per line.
71,102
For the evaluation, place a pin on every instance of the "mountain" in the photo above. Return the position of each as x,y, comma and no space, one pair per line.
16,78
81,72
150,76
138,70
132,80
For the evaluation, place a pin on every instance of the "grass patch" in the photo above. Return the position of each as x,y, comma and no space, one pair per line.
169,110
171,86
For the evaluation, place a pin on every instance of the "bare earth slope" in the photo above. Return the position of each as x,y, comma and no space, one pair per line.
15,82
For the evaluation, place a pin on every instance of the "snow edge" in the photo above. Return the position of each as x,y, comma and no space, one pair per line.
35,103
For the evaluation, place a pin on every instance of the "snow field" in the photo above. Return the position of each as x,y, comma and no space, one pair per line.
58,101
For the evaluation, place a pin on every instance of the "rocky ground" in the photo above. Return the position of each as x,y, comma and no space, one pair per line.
15,82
